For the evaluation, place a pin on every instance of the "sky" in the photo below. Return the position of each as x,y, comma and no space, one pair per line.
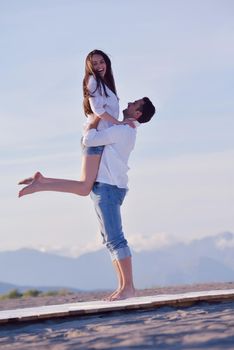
180,54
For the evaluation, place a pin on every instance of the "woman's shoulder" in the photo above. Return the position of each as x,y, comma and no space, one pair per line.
92,83
94,87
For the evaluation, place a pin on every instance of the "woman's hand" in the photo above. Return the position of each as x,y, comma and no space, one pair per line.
128,121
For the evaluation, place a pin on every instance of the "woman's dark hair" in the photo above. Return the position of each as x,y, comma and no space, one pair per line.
101,83
147,109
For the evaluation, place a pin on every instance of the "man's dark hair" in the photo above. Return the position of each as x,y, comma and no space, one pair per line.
147,109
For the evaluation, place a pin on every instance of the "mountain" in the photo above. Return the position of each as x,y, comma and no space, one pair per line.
34,268
210,259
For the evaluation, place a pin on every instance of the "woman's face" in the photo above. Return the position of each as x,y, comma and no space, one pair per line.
99,64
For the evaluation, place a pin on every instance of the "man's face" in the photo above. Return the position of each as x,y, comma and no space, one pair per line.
132,111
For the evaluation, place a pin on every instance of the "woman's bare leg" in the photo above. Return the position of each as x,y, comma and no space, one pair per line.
89,170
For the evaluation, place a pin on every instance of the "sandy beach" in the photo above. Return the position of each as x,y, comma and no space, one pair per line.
202,326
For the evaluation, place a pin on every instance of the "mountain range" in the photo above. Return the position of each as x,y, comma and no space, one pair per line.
209,259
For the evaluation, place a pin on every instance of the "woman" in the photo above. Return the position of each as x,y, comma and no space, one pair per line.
101,106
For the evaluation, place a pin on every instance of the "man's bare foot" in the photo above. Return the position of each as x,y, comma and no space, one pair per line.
33,184
109,297
123,293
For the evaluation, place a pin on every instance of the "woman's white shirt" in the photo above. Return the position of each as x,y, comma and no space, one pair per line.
100,103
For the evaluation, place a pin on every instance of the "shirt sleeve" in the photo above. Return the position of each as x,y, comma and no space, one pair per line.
104,137
97,100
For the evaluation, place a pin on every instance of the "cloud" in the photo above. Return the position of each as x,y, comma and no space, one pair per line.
71,251
140,242
137,242
226,240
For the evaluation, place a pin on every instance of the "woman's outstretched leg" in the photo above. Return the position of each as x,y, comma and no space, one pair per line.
89,170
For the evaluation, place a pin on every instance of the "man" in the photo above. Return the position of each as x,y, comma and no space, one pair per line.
110,188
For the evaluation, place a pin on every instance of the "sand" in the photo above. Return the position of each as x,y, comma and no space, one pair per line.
203,326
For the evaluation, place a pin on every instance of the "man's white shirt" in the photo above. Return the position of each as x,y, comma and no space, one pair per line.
119,141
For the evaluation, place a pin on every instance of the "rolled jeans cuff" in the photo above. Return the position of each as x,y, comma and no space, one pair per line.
120,253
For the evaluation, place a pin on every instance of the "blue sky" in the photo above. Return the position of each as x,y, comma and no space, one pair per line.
180,54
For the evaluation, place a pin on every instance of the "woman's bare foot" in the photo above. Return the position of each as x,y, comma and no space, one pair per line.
29,180
123,293
33,184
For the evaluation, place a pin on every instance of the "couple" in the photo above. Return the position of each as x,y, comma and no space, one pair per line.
106,149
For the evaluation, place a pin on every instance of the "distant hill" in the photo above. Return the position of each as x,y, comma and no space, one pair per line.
7,287
30,267
210,259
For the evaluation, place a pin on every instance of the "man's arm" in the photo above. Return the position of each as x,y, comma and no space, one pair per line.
104,137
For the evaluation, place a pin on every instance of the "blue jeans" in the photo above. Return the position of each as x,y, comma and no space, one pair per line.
107,201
